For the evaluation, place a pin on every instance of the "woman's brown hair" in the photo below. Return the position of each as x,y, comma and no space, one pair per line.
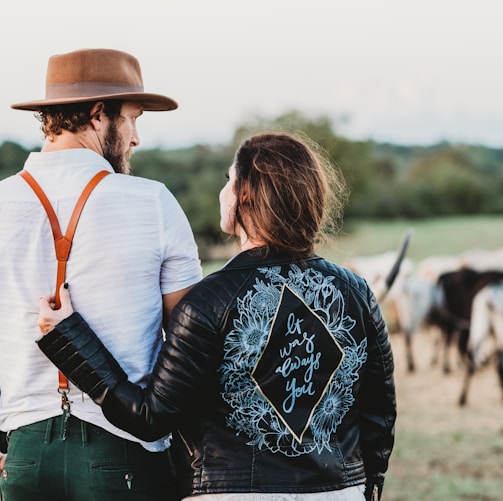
287,192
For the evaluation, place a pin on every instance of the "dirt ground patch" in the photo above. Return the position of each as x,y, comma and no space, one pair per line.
444,451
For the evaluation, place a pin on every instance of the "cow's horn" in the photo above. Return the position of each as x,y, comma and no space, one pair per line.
390,278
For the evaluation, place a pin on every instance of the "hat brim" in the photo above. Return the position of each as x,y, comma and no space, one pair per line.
150,102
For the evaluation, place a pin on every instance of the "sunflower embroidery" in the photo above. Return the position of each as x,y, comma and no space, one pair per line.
259,417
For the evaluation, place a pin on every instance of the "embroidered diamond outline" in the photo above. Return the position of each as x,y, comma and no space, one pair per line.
298,362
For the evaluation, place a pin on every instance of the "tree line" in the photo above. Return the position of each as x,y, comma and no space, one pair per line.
385,180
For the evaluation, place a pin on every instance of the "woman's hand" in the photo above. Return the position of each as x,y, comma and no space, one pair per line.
48,317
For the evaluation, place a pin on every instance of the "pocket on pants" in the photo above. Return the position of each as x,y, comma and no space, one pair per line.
19,476
135,479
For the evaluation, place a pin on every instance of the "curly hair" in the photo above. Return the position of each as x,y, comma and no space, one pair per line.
294,193
72,117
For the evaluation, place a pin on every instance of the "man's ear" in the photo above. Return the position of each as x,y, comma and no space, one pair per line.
96,112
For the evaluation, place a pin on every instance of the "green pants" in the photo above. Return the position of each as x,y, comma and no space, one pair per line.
47,461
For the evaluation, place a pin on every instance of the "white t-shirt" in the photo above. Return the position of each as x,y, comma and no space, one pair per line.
133,244
354,493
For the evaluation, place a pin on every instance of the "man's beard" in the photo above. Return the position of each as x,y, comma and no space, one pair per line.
113,151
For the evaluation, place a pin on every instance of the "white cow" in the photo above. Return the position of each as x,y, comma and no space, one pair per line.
415,295
413,299
486,319
406,302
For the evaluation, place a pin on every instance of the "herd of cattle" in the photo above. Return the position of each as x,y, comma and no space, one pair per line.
461,296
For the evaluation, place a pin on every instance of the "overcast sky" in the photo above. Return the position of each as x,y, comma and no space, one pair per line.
404,71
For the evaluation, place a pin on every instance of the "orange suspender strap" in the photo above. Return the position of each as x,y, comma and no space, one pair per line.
62,243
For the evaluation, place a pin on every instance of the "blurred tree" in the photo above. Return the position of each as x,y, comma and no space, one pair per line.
449,183
385,180
12,158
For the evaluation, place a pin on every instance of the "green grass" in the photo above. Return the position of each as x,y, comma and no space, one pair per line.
445,466
438,236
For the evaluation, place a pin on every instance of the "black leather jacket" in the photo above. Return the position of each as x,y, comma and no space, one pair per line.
275,377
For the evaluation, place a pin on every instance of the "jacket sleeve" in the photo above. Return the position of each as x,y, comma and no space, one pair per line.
79,354
377,402
187,361
3,442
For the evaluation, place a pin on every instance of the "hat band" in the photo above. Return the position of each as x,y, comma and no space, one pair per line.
89,89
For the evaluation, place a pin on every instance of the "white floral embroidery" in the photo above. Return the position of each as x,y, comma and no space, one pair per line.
252,414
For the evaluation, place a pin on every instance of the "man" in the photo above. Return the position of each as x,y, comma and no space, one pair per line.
133,257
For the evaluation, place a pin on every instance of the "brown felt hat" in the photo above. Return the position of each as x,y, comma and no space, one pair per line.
93,75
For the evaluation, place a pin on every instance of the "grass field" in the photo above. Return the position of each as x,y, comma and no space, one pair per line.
439,236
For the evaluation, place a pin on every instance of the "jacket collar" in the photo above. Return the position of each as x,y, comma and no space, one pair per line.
257,257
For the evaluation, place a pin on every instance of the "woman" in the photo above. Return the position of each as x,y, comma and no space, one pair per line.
276,376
